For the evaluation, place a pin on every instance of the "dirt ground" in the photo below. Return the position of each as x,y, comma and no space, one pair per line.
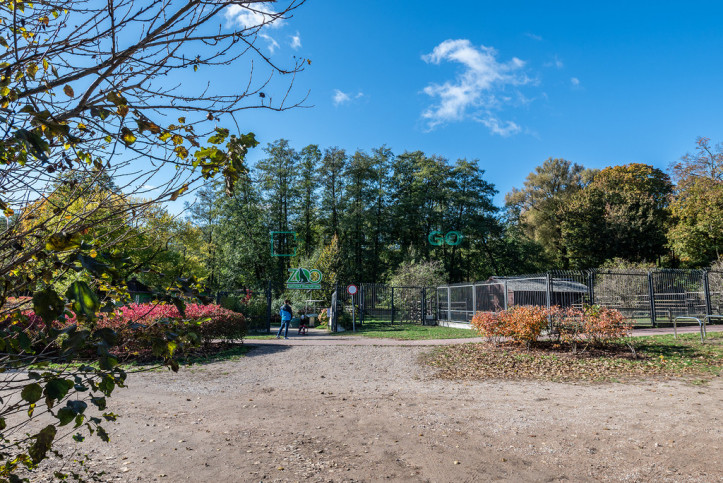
299,412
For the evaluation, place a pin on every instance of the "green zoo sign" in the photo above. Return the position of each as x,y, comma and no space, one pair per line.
453,238
304,279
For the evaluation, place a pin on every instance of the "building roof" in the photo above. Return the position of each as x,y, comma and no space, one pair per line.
515,284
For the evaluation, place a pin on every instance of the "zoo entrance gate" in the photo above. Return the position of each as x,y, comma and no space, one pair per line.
647,297
383,303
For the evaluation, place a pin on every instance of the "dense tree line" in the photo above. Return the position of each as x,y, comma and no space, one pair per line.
367,216
375,209
361,216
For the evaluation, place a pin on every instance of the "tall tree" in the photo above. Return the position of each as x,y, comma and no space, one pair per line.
277,176
473,214
543,204
204,213
308,186
696,233
359,194
331,181
622,213
379,218
243,238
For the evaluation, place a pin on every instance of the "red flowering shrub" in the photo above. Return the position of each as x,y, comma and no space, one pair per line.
211,321
137,325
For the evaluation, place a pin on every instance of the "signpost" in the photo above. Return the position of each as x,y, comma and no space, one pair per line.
352,290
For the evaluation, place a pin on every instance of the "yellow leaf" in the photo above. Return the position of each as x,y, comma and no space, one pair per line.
179,192
32,69
68,91
181,152
177,140
123,110
182,120
128,136
45,64
93,253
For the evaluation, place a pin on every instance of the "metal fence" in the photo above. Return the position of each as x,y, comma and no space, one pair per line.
646,297
385,303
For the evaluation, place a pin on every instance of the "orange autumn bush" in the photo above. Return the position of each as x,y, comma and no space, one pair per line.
592,325
521,323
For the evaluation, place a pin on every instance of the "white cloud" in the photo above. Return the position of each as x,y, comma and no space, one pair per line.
478,90
295,41
556,62
575,82
340,97
255,16
503,128
534,36
272,43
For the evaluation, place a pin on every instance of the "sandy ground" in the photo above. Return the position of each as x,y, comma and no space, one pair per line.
302,412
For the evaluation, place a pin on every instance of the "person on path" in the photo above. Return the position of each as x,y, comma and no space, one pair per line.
286,314
303,322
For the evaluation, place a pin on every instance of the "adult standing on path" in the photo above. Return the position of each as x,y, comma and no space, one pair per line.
286,314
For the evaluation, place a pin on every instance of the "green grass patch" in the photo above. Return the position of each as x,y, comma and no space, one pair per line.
260,336
660,356
382,329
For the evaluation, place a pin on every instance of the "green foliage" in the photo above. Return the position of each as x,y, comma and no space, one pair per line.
697,208
418,274
543,203
330,264
622,212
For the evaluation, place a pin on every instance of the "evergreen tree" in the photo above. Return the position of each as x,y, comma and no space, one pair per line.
379,211
204,213
277,177
331,181
308,186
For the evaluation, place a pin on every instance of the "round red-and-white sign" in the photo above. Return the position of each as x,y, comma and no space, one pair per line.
352,289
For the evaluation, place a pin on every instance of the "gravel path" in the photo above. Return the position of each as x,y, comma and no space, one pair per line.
323,337
297,412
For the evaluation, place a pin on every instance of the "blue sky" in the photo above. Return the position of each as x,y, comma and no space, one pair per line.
508,83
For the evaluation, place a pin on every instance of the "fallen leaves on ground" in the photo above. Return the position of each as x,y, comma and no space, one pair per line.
551,362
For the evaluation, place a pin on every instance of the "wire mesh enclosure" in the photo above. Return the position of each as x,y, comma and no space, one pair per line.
386,303
645,297
715,292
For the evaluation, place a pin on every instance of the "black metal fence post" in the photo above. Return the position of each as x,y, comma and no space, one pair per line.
361,304
651,294
423,308
706,293
268,308
335,325
392,306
